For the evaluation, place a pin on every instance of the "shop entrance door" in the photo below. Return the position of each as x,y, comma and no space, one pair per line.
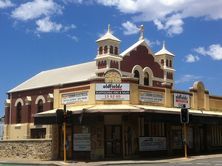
202,139
113,140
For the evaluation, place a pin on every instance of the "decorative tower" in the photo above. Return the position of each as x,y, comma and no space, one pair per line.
165,59
108,53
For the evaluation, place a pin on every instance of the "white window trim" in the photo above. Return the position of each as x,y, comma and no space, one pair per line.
19,100
41,97
140,70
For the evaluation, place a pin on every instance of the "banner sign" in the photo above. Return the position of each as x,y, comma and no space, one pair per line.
181,99
82,142
152,143
71,98
112,91
152,97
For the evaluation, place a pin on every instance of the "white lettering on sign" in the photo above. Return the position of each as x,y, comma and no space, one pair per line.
152,97
82,142
71,98
152,143
112,91
181,99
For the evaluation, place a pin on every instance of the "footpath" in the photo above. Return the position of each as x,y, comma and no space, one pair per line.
107,163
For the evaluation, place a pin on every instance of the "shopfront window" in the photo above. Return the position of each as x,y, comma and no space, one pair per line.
38,133
154,129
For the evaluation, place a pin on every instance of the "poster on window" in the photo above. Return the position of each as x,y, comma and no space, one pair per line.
82,142
181,99
152,97
71,98
112,91
152,143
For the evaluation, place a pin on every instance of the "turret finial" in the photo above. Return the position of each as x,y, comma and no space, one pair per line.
109,30
141,32
164,43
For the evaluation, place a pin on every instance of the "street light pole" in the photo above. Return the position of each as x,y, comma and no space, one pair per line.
185,139
64,134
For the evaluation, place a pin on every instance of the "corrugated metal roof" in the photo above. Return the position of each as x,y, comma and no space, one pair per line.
59,76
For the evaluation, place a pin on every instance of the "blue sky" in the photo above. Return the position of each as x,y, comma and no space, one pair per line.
38,35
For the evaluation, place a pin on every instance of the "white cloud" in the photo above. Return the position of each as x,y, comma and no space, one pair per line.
5,4
129,28
152,43
192,58
173,25
187,78
46,25
69,27
73,37
214,51
167,15
36,9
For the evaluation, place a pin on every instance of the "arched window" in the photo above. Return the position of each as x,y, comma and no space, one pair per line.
137,75
40,106
116,51
162,62
18,112
100,50
105,49
167,62
111,50
146,79
170,63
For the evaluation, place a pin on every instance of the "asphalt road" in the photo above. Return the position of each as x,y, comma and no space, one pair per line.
217,161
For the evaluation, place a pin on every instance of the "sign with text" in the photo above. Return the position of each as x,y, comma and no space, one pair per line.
82,142
151,97
112,91
71,98
181,99
152,143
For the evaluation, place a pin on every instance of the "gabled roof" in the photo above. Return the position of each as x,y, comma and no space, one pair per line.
108,36
139,42
164,51
59,76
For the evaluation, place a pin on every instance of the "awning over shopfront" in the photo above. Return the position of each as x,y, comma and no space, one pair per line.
49,117
171,110
113,109
74,109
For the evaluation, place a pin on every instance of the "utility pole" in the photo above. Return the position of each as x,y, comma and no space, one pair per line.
64,133
185,140
184,118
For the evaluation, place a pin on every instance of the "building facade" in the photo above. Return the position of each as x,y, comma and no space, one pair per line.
123,105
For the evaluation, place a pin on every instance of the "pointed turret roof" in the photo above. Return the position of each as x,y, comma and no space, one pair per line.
164,51
108,36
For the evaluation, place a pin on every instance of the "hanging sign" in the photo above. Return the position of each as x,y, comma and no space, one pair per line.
152,143
71,98
151,97
112,91
181,99
82,142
